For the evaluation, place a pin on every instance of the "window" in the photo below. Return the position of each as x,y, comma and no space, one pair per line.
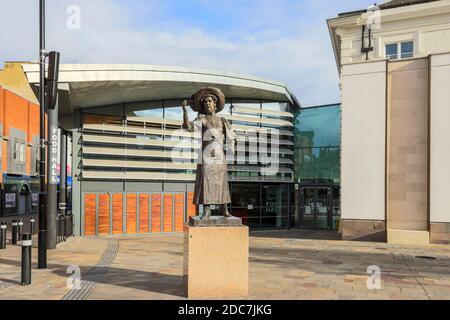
15,150
19,151
407,49
400,50
22,152
391,51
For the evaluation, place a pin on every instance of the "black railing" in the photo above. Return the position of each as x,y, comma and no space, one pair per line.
64,227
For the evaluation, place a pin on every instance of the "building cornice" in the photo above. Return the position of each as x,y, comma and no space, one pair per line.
338,24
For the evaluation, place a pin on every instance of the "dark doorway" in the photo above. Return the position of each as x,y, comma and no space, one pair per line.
24,203
316,209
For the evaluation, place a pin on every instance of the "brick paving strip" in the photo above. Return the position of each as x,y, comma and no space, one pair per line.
93,276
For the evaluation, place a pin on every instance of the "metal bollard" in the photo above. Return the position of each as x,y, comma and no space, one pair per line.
26,259
58,223
71,225
3,235
14,232
68,225
19,230
33,226
64,227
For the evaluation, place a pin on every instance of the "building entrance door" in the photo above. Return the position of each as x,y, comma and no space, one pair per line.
316,208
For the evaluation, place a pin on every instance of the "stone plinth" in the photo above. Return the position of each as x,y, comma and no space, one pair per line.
215,221
216,260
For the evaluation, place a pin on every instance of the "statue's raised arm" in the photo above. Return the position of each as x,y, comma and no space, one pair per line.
187,125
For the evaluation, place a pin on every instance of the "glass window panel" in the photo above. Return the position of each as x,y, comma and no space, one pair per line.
274,211
176,113
407,49
318,127
318,165
274,195
243,195
392,51
336,200
245,212
246,103
153,109
15,148
22,152
173,110
276,106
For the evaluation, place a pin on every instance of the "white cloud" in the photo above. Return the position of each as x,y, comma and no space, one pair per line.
290,45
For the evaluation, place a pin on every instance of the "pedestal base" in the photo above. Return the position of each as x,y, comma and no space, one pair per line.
216,261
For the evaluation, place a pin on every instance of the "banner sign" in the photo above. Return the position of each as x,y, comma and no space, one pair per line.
10,200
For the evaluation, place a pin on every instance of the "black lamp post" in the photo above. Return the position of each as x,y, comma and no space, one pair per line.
42,235
48,91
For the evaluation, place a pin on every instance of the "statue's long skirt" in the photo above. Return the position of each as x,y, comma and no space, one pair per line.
211,185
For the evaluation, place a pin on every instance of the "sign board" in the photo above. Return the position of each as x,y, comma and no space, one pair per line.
35,199
53,145
10,200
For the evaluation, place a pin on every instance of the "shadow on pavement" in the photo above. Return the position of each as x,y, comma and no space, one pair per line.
298,234
11,281
134,279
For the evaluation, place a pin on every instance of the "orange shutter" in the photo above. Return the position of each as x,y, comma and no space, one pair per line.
89,214
103,214
179,212
131,213
143,213
168,210
156,212
117,213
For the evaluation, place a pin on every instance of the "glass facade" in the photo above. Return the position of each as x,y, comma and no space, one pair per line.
261,205
317,167
317,144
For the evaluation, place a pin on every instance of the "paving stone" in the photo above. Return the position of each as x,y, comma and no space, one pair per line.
150,267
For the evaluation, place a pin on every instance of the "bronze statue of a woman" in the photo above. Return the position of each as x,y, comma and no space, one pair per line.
211,183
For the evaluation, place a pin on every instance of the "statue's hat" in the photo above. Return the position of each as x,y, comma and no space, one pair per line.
196,99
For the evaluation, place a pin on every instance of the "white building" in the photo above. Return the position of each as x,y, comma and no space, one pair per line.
394,66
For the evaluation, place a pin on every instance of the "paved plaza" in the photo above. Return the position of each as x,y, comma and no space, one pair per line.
283,265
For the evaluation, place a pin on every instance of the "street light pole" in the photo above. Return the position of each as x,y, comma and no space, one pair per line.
42,240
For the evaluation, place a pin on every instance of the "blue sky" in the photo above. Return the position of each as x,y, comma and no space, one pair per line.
283,40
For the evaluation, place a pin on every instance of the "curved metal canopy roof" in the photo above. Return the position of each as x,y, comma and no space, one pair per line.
93,85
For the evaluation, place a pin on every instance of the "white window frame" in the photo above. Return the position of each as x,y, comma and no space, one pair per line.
15,151
399,49
22,152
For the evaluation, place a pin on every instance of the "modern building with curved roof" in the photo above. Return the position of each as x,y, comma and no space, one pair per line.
134,167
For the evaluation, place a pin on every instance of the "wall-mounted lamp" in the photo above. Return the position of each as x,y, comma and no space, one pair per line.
366,40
